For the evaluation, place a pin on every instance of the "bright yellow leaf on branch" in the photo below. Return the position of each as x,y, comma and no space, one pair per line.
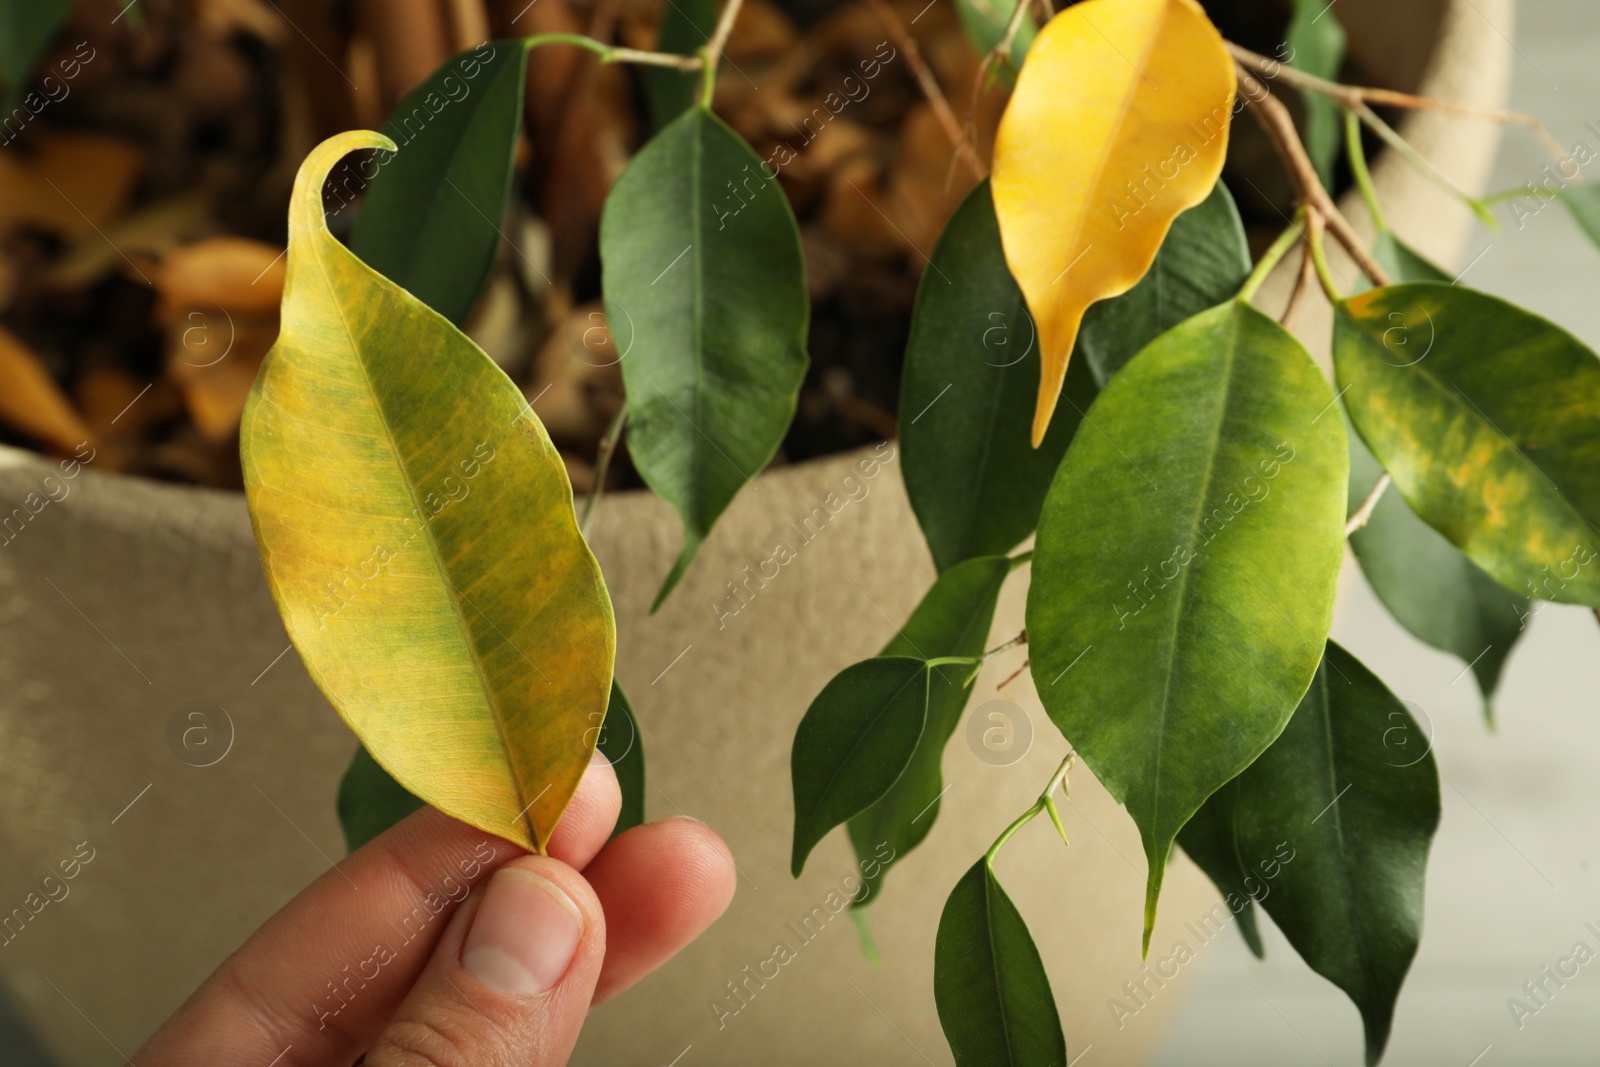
1118,124
416,527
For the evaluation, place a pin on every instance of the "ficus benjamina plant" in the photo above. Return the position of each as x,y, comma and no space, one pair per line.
1102,381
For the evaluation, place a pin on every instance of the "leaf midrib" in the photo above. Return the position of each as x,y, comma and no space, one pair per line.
883,710
1456,396
1363,957
1183,577
496,713
1116,125
994,956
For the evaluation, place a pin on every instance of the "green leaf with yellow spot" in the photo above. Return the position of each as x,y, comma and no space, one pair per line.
416,528
1488,419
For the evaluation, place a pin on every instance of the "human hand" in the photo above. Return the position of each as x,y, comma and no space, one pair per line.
388,954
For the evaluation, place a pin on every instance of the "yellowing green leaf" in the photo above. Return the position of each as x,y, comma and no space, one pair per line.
417,532
1119,122
1488,418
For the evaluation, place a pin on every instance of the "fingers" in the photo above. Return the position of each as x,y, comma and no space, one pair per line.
511,980
325,973
661,885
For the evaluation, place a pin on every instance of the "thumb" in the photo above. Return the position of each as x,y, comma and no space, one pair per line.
510,981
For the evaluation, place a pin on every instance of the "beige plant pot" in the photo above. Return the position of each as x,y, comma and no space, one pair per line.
125,600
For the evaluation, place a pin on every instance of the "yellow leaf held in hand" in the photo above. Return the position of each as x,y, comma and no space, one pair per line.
1118,124
417,531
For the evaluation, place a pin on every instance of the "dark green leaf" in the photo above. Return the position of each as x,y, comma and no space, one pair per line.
26,29
968,391
1203,262
1584,203
621,744
370,801
989,983
1488,418
685,26
953,619
1316,41
1429,587
985,22
431,219
706,297
854,742
1184,574
1209,841
1353,795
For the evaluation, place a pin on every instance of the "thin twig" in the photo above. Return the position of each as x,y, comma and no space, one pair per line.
1001,688
719,36
1019,14
1279,126
1353,95
1306,279
651,59
930,85
1020,639
608,448
1363,514
612,54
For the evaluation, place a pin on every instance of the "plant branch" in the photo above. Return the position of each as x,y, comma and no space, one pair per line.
613,54
1354,96
1392,138
1001,688
1363,514
1015,642
608,448
1358,167
724,29
1304,281
930,85
1279,126
1044,803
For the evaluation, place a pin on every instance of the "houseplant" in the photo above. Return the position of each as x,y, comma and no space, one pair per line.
1181,565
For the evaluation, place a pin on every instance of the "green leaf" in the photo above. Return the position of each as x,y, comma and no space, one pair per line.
1402,263
706,295
1209,841
26,29
985,23
370,801
685,26
1488,418
1584,203
989,983
416,528
953,619
1183,578
431,219
1439,595
621,744
856,738
967,393
1316,41
1346,791
1203,262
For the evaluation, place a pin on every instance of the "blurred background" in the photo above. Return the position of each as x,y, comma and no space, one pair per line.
141,230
